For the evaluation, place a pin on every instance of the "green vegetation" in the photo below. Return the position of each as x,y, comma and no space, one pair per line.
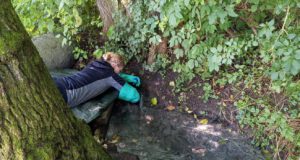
68,19
251,45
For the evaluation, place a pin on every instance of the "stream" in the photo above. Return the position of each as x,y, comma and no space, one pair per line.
154,134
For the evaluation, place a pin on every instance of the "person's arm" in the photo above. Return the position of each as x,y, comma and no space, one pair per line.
135,80
126,91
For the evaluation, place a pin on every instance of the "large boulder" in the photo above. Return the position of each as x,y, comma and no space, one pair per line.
54,55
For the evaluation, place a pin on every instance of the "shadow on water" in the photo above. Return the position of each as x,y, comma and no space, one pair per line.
154,134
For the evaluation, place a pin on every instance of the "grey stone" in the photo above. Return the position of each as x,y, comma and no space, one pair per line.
168,136
54,55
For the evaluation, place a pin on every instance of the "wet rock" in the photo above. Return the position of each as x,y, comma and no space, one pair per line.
52,52
113,152
176,136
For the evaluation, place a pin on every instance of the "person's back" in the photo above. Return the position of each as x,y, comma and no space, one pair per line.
93,80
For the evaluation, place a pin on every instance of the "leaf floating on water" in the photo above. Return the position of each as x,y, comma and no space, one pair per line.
170,108
203,121
154,101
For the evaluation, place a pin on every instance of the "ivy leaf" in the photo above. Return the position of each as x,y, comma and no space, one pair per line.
296,67
172,20
212,18
191,64
230,11
186,3
274,75
297,55
178,52
214,62
61,4
214,50
155,39
186,44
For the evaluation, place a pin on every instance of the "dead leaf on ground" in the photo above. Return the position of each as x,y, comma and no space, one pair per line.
134,140
203,121
199,150
188,110
195,116
172,83
170,107
149,119
231,97
115,139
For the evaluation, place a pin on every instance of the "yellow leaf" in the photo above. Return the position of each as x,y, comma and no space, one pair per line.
170,108
203,121
231,97
154,101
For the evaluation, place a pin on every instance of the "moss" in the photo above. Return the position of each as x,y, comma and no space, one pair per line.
38,124
41,154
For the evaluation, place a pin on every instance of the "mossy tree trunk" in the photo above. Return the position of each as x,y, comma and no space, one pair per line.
35,122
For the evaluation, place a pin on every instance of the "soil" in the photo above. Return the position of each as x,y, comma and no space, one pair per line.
156,85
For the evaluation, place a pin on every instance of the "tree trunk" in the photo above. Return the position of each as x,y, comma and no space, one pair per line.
106,13
35,122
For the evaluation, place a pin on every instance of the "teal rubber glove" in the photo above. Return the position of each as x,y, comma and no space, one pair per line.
129,93
135,80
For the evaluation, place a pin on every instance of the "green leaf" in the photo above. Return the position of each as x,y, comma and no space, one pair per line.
274,75
191,64
186,3
186,44
78,20
61,4
214,61
172,20
255,43
296,67
110,31
297,55
214,50
230,11
212,18
178,52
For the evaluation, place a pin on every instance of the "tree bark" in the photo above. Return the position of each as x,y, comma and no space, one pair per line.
35,122
106,13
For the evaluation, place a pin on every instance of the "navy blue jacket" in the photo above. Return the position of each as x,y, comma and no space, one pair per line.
93,80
